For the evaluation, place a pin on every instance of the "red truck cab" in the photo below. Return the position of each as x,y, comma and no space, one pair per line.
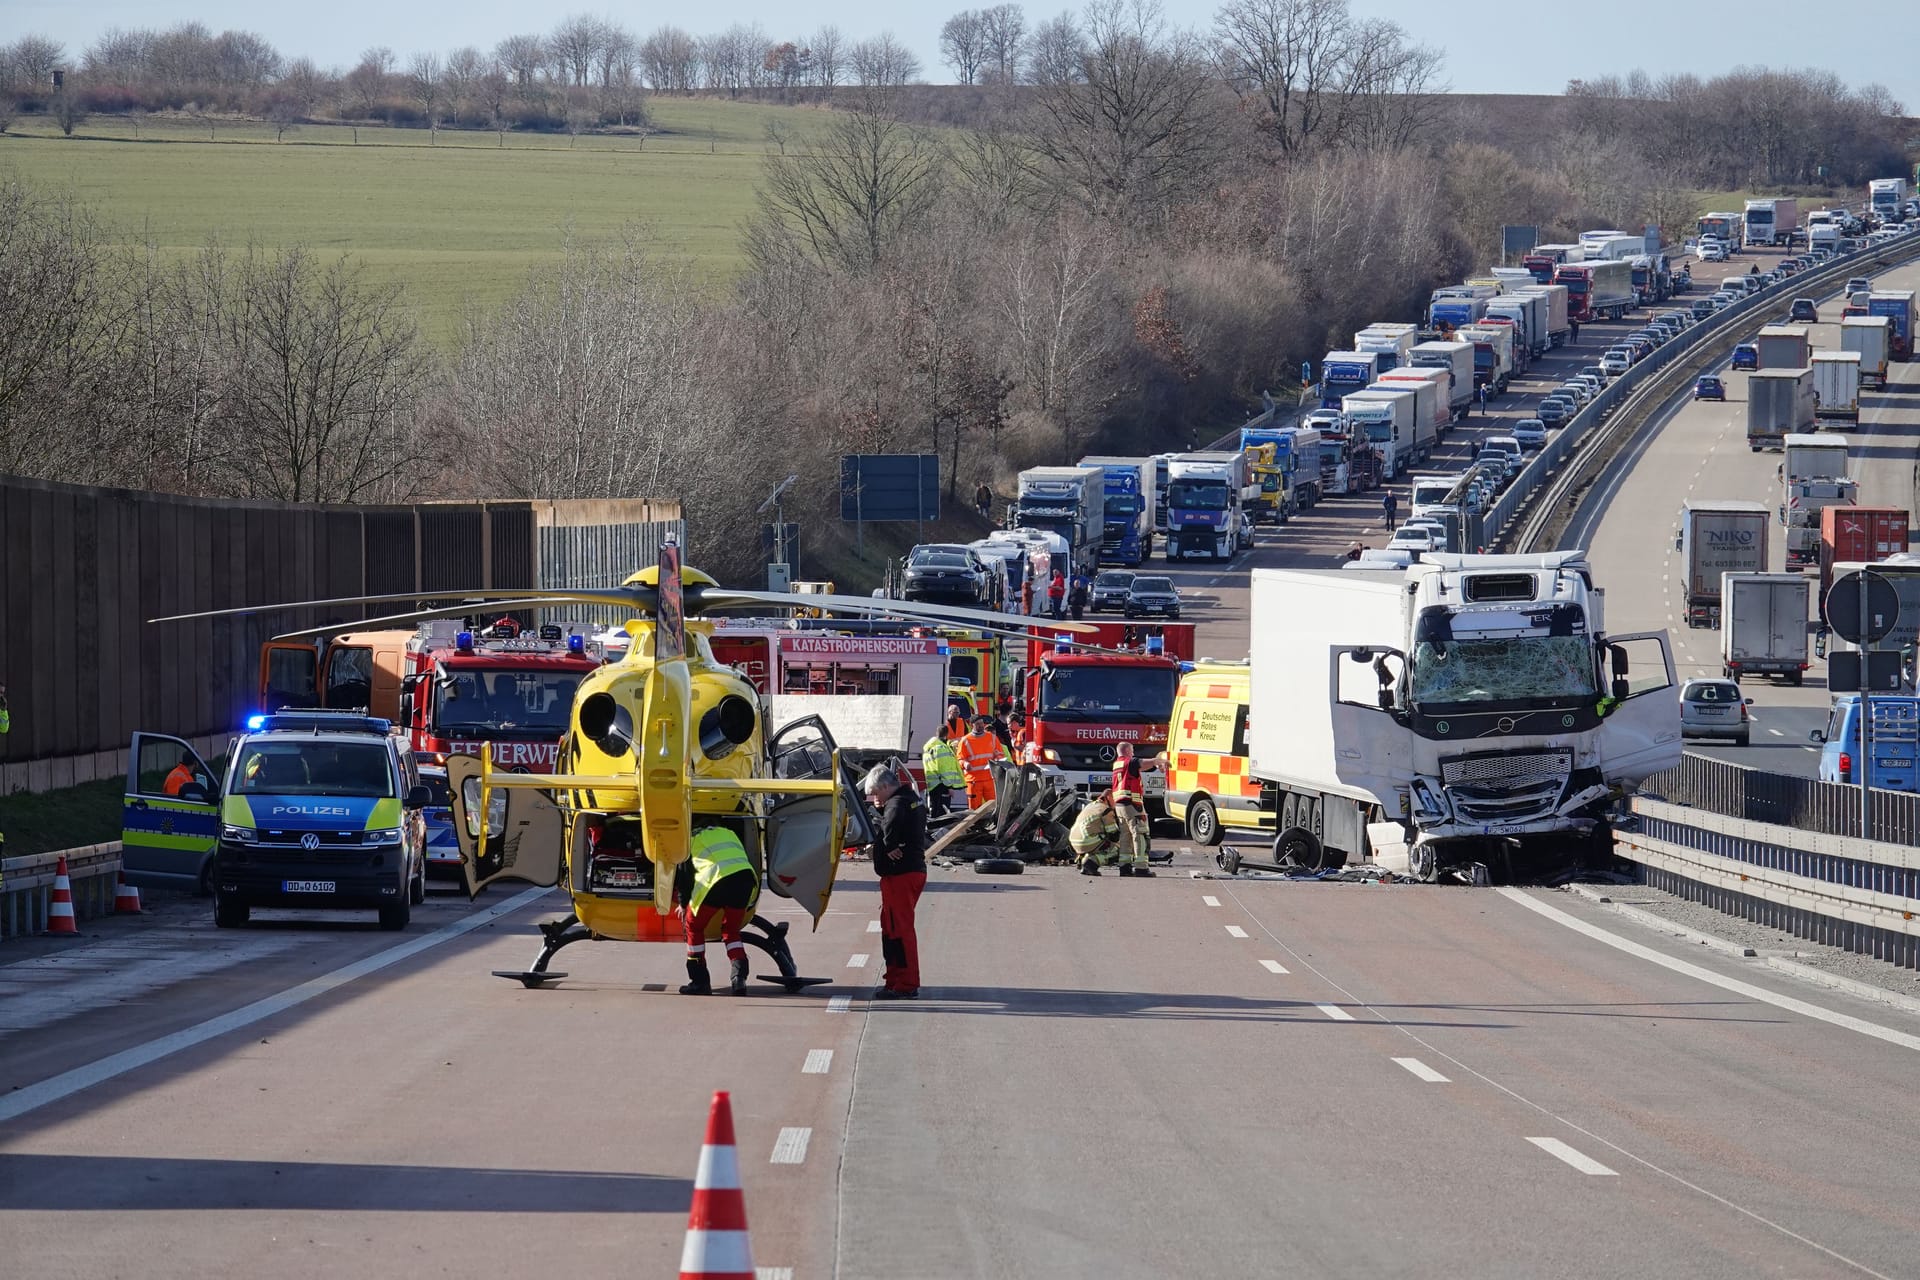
1080,705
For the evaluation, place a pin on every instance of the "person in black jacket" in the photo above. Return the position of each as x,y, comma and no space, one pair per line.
900,860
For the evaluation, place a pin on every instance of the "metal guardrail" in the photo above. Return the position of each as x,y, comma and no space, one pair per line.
1755,795
1858,895
27,888
1596,423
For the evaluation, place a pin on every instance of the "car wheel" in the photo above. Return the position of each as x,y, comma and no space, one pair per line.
228,914
1743,740
1203,824
1299,847
394,919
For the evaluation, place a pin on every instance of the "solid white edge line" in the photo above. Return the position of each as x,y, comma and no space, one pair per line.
818,1063
791,1146
1423,1071
68,1083
1335,1012
1830,1016
1578,1159
1234,930
1273,966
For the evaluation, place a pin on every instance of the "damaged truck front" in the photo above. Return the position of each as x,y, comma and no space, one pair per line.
1466,714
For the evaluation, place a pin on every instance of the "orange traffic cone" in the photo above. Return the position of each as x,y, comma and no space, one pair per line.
717,1246
126,898
60,912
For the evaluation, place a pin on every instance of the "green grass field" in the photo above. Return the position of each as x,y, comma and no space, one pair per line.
458,222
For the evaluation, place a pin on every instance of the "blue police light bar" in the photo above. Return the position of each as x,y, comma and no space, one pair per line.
576,645
1062,643
254,723
1156,645
944,649
464,640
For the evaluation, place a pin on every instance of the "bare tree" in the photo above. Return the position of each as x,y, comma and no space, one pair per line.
829,50
367,82
34,59
521,58
425,81
860,183
1003,31
883,62
461,77
575,47
670,58
1128,129
963,44
1055,301
1056,53
67,110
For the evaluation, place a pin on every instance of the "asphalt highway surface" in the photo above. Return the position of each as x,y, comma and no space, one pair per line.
1181,1076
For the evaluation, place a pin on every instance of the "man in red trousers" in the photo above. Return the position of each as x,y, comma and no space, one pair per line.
900,860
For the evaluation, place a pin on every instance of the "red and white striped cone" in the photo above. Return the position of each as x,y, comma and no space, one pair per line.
126,898
60,919
717,1246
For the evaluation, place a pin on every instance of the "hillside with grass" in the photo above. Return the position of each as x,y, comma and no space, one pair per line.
458,217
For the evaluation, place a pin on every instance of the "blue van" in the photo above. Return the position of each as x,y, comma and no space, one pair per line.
1895,738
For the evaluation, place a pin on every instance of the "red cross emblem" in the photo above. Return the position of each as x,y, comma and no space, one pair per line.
1191,723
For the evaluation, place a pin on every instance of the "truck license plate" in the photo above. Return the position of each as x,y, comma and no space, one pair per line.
308,886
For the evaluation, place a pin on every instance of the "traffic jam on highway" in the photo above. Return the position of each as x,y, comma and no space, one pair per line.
1294,658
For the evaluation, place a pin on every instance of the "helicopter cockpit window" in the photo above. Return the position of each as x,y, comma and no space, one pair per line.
801,750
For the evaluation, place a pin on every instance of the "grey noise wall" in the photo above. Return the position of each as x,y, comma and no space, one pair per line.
84,568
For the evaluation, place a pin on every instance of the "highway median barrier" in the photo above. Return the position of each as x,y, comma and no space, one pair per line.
27,886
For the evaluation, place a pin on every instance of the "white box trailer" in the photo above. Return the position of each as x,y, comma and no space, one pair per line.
1764,618
1457,359
1836,384
1556,295
1433,386
1870,337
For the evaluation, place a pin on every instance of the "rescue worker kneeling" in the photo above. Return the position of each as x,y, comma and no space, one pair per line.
717,880
1110,832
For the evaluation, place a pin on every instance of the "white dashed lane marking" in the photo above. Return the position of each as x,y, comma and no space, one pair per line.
1422,1070
840,1004
1211,901
1274,966
1236,931
818,1063
1584,1163
1335,1012
873,926
858,960
791,1146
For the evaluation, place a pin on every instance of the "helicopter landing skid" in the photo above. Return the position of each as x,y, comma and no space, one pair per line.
772,939
558,933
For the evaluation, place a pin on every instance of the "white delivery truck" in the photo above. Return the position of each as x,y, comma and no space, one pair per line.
1385,420
1836,384
1457,359
1815,472
1870,338
1467,713
1764,618
1434,388
1392,342
1557,326
1528,312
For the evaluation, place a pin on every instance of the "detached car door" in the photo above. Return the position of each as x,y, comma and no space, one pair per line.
168,827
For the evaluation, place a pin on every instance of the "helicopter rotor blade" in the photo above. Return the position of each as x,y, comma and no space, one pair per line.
907,610
419,615
639,598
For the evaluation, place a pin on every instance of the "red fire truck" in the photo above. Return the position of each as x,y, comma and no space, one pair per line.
1080,705
453,687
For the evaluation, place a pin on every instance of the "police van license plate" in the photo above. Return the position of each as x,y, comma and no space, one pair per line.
308,886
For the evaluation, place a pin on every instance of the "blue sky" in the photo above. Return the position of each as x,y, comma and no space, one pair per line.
1559,43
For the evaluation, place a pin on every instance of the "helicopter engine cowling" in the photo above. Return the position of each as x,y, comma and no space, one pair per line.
727,724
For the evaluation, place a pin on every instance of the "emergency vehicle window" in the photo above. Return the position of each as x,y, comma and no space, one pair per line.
158,759
315,769
350,677
963,669
474,703
290,679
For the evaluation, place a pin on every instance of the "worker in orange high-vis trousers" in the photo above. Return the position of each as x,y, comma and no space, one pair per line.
977,752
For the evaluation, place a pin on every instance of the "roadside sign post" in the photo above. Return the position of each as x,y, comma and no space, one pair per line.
1862,607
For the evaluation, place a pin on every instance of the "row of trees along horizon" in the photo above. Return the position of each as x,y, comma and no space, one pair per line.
1127,244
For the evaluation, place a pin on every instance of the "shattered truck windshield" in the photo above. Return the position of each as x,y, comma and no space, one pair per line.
1515,670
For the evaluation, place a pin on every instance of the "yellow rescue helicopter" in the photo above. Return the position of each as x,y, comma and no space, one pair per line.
660,744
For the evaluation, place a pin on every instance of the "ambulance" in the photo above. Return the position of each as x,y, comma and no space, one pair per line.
1209,785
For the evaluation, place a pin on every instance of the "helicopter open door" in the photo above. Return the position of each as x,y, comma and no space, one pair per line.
525,831
806,834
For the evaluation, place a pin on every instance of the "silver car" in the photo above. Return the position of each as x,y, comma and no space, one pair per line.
1714,708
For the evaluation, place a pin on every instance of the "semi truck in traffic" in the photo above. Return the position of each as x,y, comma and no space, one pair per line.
1836,384
1783,346
1205,505
1432,387
1897,305
1528,313
1557,327
1815,473
1887,199
1458,305
1764,619
1596,290
1456,357
1069,502
1344,372
1772,221
1492,356
1127,502
1543,259
1716,537
1391,342
1779,401
1390,419
1859,533
1465,714
1869,337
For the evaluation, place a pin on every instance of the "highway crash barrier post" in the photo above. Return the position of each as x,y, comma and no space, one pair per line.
27,886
